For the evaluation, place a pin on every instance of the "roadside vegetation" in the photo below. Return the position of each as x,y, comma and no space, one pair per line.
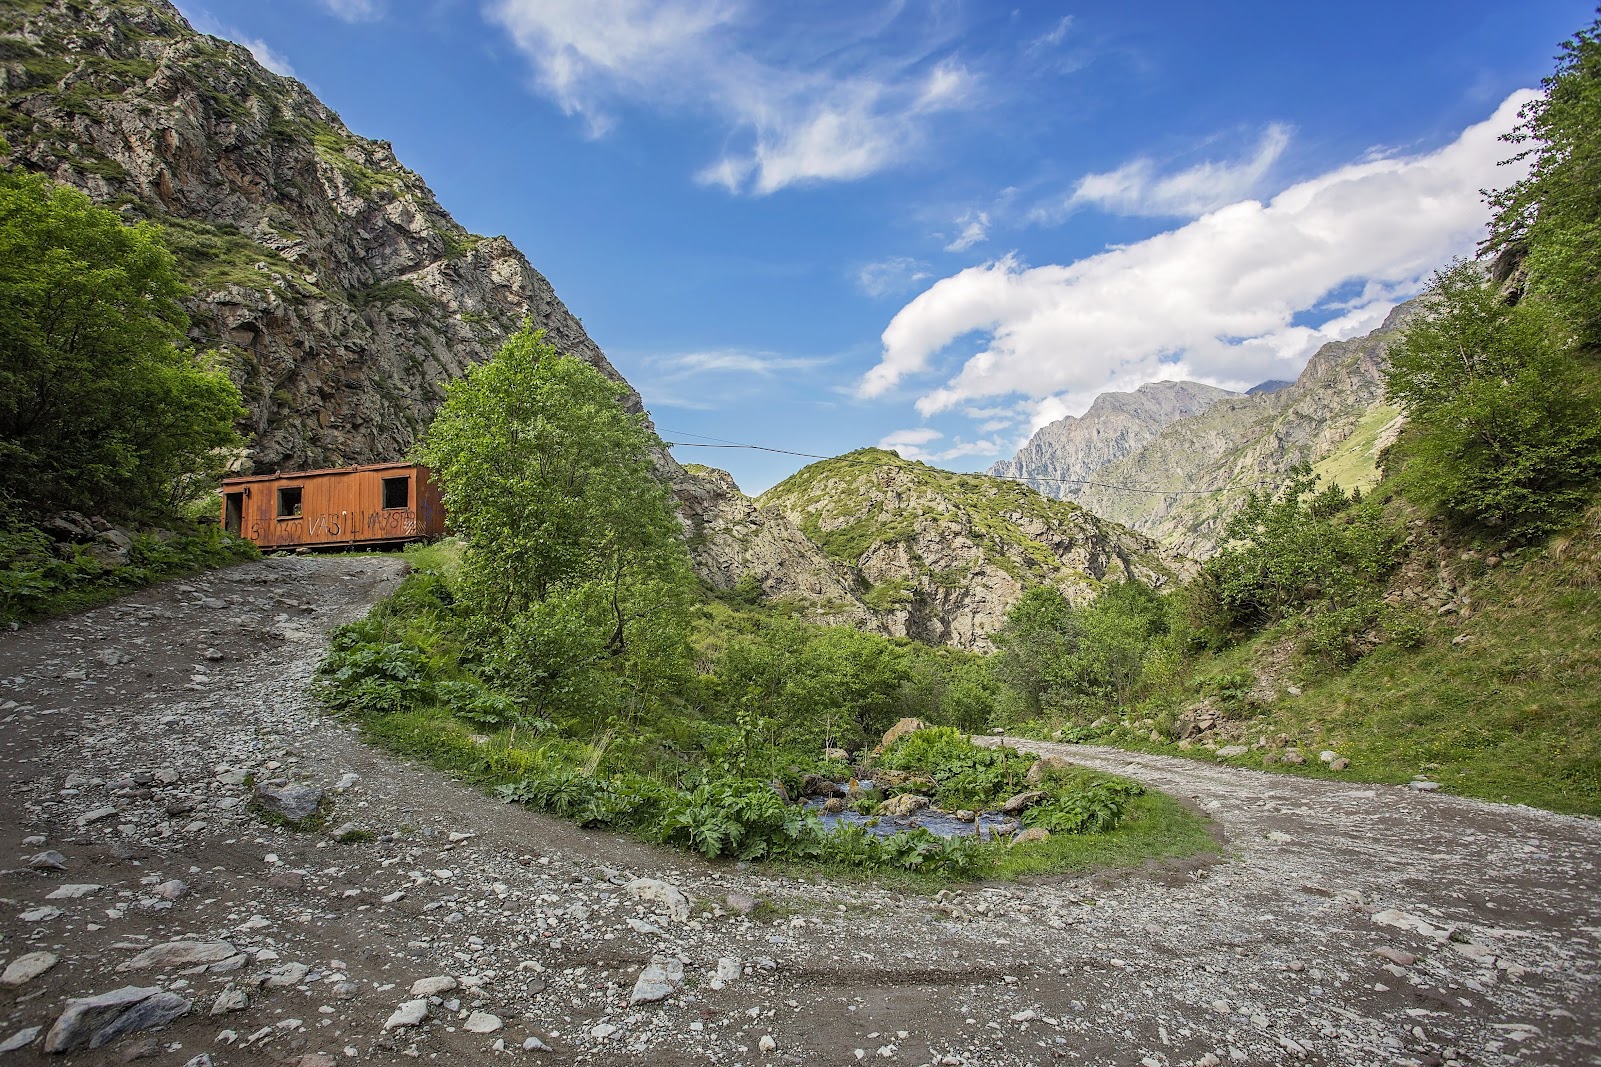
564,656
103,412
1445,628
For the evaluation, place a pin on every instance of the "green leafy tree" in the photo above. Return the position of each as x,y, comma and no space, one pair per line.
1504,418
1554,214
1041,634
100,410
575,560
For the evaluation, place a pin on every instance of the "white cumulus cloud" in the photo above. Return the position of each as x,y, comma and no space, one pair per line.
1216,299
819,111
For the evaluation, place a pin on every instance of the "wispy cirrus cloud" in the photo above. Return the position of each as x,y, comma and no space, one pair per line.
824,108
1217,299
975,229
913,444
1139,188
894,276
354,10
707,380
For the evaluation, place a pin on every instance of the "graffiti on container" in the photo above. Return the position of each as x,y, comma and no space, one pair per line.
396,523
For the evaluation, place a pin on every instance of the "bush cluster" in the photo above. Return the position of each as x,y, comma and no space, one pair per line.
36,581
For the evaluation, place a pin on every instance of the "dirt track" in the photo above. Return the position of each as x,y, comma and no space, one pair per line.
128,733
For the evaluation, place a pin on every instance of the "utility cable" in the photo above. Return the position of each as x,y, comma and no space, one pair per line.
723,443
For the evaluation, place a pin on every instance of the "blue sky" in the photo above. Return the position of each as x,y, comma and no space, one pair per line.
936,225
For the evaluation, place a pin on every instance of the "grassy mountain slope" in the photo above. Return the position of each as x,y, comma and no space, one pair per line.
1242,441
943,555
1495,694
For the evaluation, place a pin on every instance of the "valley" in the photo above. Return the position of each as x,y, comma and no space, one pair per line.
1340,924
1216,723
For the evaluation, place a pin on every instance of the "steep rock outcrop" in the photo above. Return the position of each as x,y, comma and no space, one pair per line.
731,537
1072,449
339,295
941,557
1251,441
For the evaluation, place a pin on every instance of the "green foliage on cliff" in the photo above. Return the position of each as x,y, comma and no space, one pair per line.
1504,433
100,410
1554,214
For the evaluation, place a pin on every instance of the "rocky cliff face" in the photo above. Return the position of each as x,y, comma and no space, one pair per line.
1251,440
941,557
732,537
1072,449
338,293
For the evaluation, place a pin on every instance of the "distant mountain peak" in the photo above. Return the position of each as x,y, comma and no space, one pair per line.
1073,448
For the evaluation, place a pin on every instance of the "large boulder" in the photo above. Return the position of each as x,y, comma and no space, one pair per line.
903,805
1047,765
90,1022
293,803
896,732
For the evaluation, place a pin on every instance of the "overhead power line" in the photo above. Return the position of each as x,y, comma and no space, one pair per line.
718,442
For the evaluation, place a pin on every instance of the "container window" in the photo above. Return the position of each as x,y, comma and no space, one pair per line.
397,493
289,501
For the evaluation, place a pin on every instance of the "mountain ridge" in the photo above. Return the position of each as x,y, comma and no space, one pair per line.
1116,424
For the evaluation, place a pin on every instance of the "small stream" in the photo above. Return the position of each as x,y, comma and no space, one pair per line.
940,823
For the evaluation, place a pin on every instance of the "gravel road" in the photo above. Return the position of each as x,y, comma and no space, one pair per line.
1344,924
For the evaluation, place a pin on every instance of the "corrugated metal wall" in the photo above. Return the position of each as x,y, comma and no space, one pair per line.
386,503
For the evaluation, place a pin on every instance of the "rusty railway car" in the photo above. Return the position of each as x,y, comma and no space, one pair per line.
384,504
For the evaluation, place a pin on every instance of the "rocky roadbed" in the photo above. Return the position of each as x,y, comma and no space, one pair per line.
152,909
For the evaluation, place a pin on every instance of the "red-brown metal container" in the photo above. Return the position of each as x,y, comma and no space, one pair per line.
381,504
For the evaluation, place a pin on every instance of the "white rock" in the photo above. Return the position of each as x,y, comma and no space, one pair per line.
27,968
40,915
481,1022
602,1031
659,980
433,987
72,891
767,1044
666,899
411,1013
533,1044
229,1000
21,1039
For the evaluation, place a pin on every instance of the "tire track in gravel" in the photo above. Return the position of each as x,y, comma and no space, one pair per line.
158,706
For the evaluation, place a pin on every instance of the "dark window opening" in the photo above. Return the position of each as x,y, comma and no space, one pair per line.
289,502
397,493
234,513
